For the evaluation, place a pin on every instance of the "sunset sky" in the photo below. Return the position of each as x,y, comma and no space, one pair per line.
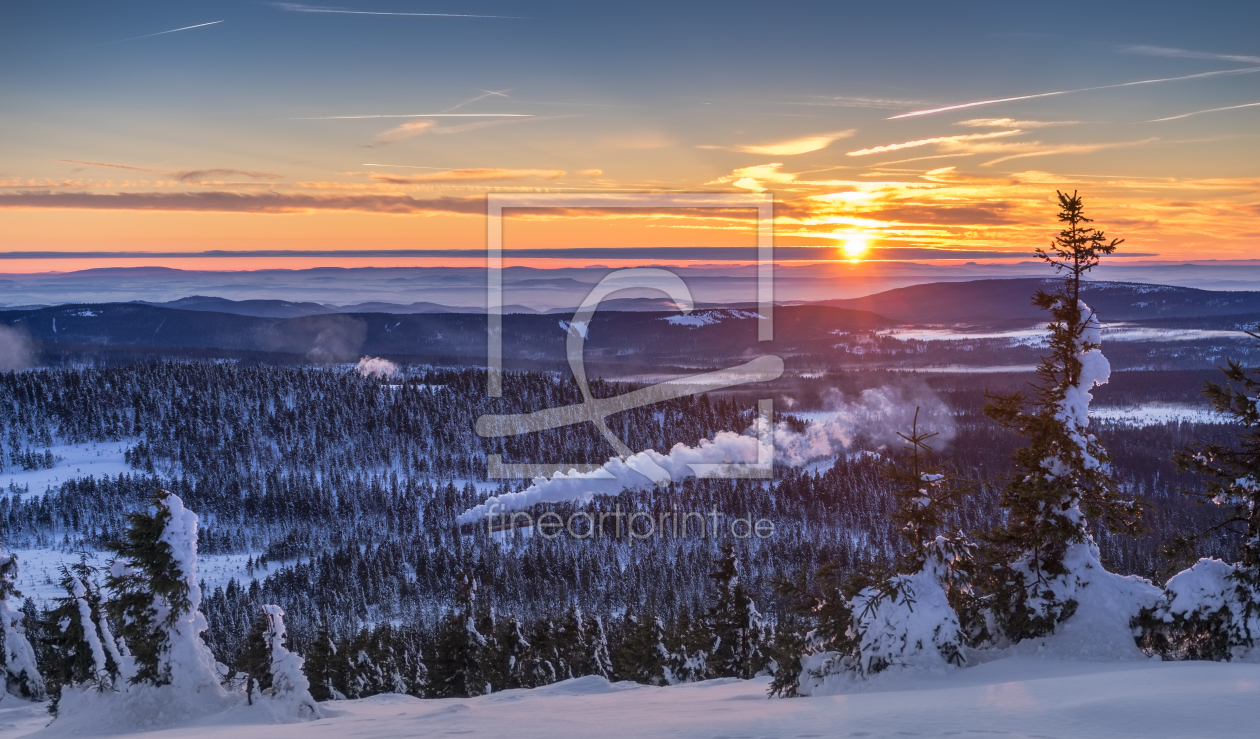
897,130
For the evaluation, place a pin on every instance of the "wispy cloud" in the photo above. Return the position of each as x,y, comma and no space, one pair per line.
300,8
997,101
1067,149
411,115
232,202
1011,123
791,147
403,132
470,175
931,141
844,101
87,163
196,175
1186,54
1201,112
161,33
416,128
188,175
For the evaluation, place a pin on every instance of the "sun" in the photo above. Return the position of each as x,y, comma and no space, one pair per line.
855,247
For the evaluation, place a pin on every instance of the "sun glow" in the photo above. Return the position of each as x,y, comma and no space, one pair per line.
854,247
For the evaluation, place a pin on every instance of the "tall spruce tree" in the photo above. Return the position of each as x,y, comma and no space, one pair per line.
642,656
1040,555
80,644
156,602
689,644
462,654
880,617
735,622
254,661
322,667
1212,610
906,617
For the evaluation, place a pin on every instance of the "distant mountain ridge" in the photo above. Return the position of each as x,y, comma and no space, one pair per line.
1009,302
715,338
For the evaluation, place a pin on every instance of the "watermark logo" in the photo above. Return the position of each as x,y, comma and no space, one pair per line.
596,410
633,524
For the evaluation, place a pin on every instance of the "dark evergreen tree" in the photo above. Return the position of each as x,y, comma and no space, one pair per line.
327,680
1036,559
735,623
78,642
254,661
1212,610
156,598
642,656
689,644
512,657
462,654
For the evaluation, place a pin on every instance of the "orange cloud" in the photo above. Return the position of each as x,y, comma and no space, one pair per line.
932,141
791,147
473,175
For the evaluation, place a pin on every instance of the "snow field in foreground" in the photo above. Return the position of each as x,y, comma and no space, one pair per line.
1010,697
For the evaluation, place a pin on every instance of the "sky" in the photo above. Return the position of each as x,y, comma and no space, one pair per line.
295,134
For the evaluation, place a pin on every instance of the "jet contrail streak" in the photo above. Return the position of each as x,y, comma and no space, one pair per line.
299,8
962,106
1200,112
415,115
405,166
161,33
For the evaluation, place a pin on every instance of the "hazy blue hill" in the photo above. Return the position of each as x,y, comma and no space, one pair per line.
1007,302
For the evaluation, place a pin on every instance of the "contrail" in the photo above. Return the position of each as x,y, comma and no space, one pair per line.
404,166
978,103
414,115
1200,112
1184,54
299,8
160,33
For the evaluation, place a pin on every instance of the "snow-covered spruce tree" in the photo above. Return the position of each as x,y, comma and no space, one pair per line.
462,654
735,622
907,618
598,660
288,684
1040,559
254,660
322,668
882,617
641,656
824,644
156,598
689,644
542,660
79,640
21,676
512,657
1212,609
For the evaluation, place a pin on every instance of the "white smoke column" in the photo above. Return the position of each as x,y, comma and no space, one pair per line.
617,474
16,350
875,416
376,367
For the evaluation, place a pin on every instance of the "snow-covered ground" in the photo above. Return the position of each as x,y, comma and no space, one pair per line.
1036,336
77,460
1011,697
1155,414
39,571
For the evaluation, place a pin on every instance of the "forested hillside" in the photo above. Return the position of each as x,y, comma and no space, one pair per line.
352,485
